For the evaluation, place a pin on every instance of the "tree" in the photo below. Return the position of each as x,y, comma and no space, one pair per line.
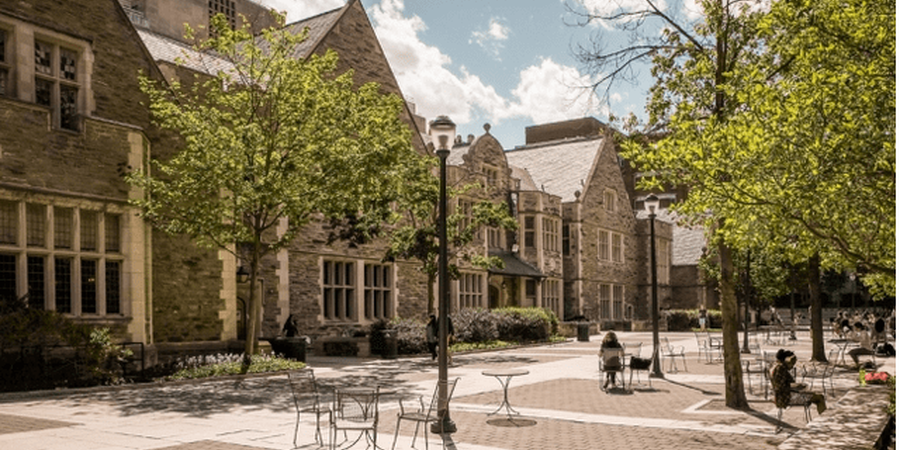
772,129
270,143
417,238
691,64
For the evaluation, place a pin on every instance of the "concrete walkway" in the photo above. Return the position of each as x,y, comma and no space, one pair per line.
560,401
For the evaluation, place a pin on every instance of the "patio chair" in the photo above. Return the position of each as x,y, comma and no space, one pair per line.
797,399
669,351
612,361
638,364
760,368
819,371
715,345
306,395
355,410
423,414
703,347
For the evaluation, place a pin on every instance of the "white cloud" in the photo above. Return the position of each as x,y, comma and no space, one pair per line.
546,92
491,39
297,10
692,9
550,92
608,8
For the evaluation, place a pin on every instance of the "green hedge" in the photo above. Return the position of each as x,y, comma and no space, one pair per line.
472,326
688,319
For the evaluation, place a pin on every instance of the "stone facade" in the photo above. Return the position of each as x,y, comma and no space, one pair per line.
578,250
69,129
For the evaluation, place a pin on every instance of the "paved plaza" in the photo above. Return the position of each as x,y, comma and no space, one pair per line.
560,403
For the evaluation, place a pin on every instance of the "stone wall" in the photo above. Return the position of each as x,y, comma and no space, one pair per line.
594,217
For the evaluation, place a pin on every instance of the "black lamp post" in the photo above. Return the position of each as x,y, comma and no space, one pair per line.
444,130
651,203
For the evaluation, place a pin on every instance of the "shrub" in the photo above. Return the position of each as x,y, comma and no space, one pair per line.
714,318
525,324
474,325
376,337
682,320
230,364
26,337
410,336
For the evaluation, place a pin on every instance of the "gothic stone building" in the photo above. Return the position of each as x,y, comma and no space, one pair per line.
72,124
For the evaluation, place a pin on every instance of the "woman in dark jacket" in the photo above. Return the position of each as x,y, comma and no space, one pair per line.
784,386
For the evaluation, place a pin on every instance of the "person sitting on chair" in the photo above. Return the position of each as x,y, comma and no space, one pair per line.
861,335
612,360
784,386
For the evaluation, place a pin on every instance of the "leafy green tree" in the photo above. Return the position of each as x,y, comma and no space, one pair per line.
692,62
779,119
417,237
270,143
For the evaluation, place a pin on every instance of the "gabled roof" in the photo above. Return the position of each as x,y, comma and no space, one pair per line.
525,181
169,50
559,168
513,266
687,241
319,26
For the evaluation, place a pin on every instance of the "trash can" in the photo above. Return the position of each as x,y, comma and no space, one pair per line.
584,332
389,350
290,347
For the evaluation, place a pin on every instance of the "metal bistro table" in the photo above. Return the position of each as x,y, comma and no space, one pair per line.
504,376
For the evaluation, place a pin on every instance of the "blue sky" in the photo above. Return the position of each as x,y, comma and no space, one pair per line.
509,63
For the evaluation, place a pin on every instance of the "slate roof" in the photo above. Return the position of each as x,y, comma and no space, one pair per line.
558,168
319,26
687,242
513,266
457,152
168,50
525,181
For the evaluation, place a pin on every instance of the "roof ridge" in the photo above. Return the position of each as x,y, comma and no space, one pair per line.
569,140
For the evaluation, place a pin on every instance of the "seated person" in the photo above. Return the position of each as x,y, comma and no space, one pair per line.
611,353
786,389
860,335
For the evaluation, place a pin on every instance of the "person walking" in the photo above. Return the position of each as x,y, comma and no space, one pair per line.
431,336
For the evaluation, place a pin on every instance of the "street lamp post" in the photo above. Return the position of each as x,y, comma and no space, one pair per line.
444,130
651,203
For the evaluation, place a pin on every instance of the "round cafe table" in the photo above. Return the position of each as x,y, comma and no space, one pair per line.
504,376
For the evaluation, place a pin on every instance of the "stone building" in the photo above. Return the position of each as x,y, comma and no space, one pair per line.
70,127
604,245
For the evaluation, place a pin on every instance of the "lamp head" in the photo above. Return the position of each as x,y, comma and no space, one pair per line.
651,204
442,130
242,275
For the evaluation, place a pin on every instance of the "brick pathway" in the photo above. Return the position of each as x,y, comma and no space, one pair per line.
561,404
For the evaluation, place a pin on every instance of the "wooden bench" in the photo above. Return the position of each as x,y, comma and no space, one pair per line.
856,421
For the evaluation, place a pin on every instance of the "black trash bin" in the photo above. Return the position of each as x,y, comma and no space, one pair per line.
291,347
584,332
389,350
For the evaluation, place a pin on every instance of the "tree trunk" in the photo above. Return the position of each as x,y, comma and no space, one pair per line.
734,380
815,316
250,341
430,299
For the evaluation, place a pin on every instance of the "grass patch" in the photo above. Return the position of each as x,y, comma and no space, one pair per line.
223,365
486,345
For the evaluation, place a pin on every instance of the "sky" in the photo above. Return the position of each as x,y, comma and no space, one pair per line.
508,63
